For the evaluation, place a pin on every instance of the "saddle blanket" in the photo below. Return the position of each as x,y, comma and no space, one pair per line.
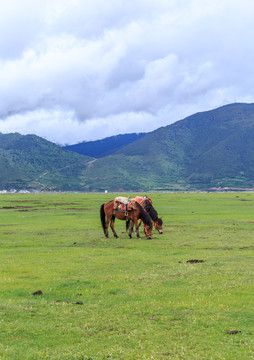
140,199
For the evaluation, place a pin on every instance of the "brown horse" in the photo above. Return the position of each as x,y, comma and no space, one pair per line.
146,203
108,213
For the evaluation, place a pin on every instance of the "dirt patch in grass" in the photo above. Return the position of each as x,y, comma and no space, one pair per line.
61,204
16,207
233,332
76,209
24,201
36,293
220,248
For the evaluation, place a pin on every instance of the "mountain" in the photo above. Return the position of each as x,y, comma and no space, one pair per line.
104,147
30,162
209,149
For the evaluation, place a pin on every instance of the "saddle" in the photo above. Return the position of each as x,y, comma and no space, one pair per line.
122,199
123,204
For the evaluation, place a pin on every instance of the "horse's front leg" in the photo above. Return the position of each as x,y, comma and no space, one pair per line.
112,225
137,226
140,222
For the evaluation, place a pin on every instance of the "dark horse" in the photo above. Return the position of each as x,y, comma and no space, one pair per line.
108,214
158,223
146,203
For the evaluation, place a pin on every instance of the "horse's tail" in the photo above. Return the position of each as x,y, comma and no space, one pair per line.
144,216
102,214
127,224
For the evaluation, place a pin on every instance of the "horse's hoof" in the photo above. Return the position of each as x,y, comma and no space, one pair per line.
116,236
130,236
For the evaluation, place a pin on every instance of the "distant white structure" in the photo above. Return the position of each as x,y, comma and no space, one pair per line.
106,191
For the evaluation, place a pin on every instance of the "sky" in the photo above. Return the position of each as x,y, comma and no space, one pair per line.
81,70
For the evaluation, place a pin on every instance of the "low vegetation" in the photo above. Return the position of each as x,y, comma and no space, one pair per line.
67,292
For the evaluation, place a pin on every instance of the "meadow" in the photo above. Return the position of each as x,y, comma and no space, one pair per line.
67,292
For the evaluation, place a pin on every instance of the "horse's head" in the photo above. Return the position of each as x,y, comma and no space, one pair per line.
158,225
148,231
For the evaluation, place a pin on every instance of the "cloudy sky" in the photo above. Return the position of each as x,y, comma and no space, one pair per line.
75,70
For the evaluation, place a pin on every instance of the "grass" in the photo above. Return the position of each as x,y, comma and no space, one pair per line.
126,298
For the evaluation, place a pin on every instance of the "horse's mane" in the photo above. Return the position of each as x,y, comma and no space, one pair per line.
144,216
151,210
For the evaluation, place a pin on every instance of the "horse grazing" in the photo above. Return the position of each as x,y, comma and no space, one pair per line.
133,212
147,205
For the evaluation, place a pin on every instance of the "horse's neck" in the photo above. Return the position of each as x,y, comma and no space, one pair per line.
153,213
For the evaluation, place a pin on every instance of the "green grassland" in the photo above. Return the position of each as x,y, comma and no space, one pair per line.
126,298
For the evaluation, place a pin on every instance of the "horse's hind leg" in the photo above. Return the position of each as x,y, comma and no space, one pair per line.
112,225
106,228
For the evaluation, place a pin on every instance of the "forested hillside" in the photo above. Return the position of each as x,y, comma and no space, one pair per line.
209,149
30,162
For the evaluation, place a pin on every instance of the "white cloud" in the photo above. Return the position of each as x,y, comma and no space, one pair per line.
73,70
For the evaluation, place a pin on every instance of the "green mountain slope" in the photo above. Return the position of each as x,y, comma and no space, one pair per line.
208,149
31,162
213,148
